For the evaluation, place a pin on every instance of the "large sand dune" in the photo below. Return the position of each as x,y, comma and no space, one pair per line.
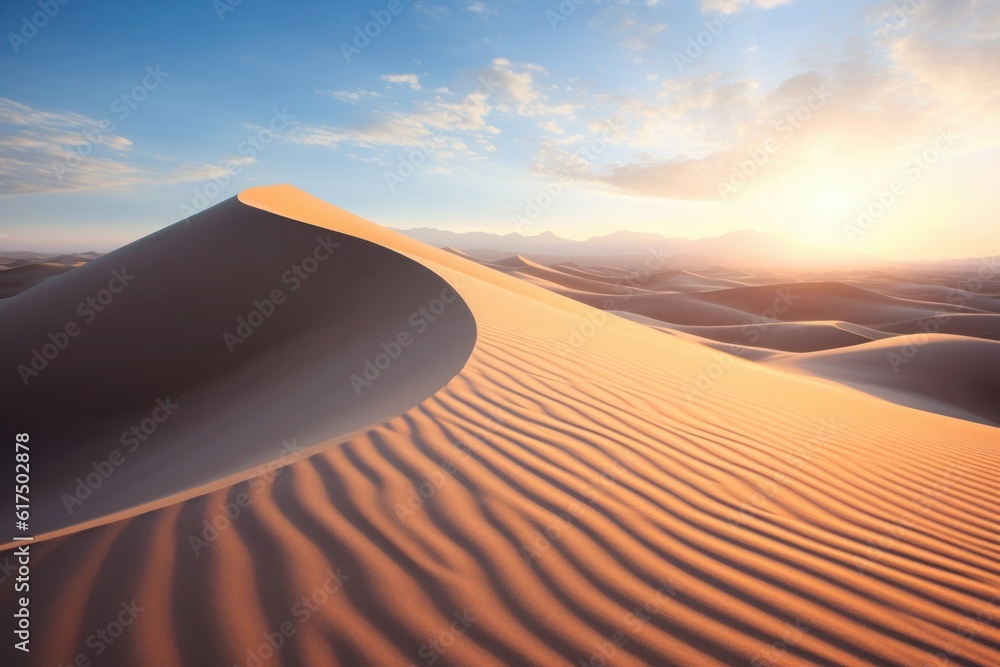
230,342
585,490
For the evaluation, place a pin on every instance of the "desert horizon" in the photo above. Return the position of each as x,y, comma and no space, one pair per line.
466,333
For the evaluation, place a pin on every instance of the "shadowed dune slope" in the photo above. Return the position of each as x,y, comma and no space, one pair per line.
585,491
231,343
962,324
951,375
18,279
786,336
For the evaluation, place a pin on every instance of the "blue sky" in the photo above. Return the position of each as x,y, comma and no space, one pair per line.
579,117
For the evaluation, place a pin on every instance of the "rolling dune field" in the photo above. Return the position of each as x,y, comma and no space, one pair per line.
517,477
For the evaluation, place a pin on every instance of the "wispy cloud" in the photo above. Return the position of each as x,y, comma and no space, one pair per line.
886,95
411,79
355,96
451,125
45,151
732,6
434,11
482,8
642,40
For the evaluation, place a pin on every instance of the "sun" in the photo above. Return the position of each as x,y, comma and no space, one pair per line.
833,203
823,217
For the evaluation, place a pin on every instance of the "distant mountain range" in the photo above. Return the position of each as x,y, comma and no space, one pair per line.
742,247
746,248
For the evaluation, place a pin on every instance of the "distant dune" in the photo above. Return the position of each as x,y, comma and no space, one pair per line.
16,279
952,375
20,271
545,483
909,310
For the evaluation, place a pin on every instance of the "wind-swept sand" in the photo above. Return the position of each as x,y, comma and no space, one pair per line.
585,491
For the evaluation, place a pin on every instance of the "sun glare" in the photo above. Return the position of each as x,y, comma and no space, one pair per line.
833,203
823,218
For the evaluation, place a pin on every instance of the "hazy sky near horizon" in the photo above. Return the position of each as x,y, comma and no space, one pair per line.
687,118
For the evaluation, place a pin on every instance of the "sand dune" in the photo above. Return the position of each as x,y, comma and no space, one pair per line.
584,490
788,336
719,271
829,301
951,375
962,324
18,279
954,377
219,333
706,304
22,271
